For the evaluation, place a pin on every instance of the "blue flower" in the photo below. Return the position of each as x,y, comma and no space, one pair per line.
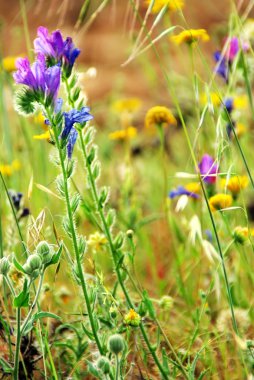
229,104
75,116
222,65
73,135
181,191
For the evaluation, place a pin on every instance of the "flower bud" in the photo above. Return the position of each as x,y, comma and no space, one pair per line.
113,311
132,318
116,344
103,364
33,265
4,266
44,251
129,234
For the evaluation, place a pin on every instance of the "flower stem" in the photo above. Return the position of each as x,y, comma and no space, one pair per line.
113,253
18,340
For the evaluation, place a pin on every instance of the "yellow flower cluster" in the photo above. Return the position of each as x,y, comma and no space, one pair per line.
191,35
127,105
123,134
235,184
159,115
8,170
220,201
173,5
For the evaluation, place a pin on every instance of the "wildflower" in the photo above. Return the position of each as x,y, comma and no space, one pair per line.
213,97
56,49
8,63
229,104
159,116
190,36
39,119
123,134
130,105
235,184
43,136
208,169
225,61
16,198
220,201
241,234
116,344
97,241
166,302
238,102
9,169
221,65
239,128
172,5
43,83
132,318
183,191
69,133
233,49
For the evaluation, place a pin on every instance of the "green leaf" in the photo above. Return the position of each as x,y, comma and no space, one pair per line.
22,300
55,258
38,316
88,333
7,368
18,266
149,305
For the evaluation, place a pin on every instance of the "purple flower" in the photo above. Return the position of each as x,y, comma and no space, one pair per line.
232,49
55,49
208,169
181,191
72,117
44,81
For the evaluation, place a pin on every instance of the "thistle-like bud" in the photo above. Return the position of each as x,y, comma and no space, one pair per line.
33,265
44,251
116,344
103,364
132,318
4,266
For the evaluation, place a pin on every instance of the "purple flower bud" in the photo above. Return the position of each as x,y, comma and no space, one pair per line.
208,169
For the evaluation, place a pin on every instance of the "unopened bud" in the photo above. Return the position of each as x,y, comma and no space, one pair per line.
116,344
103,364
4,266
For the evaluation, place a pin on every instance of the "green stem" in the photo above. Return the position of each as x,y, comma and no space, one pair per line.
18,340
74,237
114,254
117,367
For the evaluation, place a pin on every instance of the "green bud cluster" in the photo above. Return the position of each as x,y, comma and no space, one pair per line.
4,266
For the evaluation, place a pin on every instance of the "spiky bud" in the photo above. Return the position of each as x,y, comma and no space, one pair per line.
116,344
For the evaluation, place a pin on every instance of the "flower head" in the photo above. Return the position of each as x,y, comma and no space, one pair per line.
190,36
235,184
132,318
72,117
123,134
220,201
191,190
97,241
224,61
159,115
208,169
8,63
126,105
241,234
172,5
43,83
55,49
9,169
221,65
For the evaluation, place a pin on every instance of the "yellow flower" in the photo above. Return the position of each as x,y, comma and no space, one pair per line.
173,5
220,201
241,234
132,318
240,102
235,184
193,187
43,136
191,35
8,64
9,169
213,97
40,120
127,105
159,115
240,129
123,134
97,241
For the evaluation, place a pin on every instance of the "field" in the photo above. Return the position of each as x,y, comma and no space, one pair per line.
126,189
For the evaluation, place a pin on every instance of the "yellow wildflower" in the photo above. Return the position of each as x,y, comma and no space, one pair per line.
191,35
240,102
97,241
220,201
43,136
240,129
193,187
235,184
213,98
159,115
241,234
8,64
40,120
9,169
123,134
173,5
127,105
132,318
